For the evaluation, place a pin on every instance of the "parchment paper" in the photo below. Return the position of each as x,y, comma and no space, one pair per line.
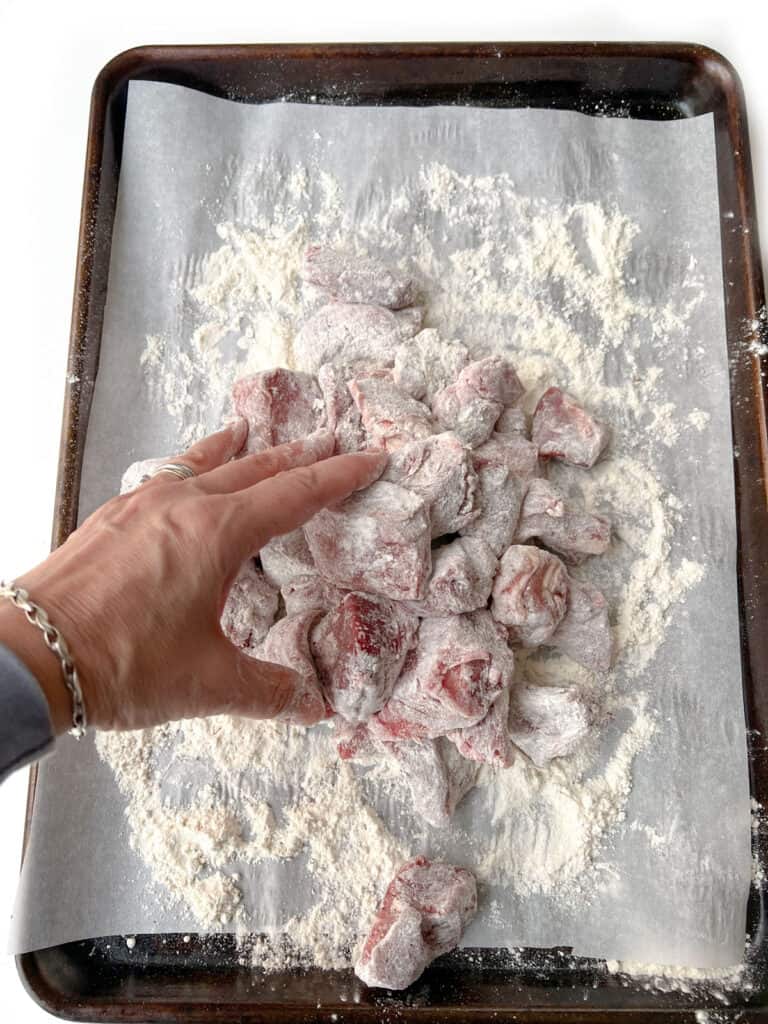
685,905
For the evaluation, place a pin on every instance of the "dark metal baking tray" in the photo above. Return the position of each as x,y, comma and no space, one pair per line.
167,979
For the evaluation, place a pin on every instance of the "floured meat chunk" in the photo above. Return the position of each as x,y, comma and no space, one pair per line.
488,740
305,593
458,668
377,541
346,333
437,776
547,516
355,743
585,633
424,913
391,418
250,608
279,405
426,364
547,721
359,649
439,470
341,414
504,465
349,277
472,404
513,421
461,580
287,643
562,429
530,594
410,320
287,558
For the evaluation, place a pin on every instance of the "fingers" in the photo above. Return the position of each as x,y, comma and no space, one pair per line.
250,470
287,501
211,452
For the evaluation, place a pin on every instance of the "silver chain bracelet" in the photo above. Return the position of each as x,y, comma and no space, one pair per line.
56,643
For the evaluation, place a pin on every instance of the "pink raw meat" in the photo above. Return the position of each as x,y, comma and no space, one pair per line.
513,421
488,740
439,470
349,277
426,363
530,594
287,643
424,913
355,743
472,404
562,429
410,321
585,633
548,721
347,333
461,580
359,649
341,413
305,593
250,608
450,679
436,774
391,418
377,541
287,558
547,516
280,405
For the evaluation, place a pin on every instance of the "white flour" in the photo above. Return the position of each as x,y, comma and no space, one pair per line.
557,294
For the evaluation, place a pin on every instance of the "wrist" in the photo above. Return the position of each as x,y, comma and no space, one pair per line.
27,643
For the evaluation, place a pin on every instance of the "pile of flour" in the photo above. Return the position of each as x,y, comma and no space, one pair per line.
555,291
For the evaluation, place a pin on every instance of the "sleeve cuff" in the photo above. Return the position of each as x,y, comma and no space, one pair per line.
26,731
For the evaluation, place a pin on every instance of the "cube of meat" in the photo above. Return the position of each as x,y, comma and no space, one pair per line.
425,363
437,776
132,477
585,633
349,277
547,516
307,593
280,405
359,649
377,541
457,669
250,608
287,643
355,743
488,740
440,471
391,418
410,320
513,421
347,333
504,465
287,558
562,429
461,580
341,413
548,721
472,404
530,594
424,913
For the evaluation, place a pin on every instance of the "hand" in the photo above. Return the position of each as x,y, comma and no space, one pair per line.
138,590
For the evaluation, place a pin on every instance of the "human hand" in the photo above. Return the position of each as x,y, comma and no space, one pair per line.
137,591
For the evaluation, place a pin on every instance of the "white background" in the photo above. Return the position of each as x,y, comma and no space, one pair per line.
51,54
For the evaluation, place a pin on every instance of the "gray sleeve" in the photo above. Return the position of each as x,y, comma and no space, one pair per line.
26,732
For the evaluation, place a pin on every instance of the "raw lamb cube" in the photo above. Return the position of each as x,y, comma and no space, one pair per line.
424,913
440,471
287,558
250,608
348,277
530,594
548,721
461,580
426,364
307,593
341,413
391,418
513,421
472,404
280,405
457,669
585,633
488,740
287,643
347,333
437,776
562,429
546,515
355,743
410,321
359,649
377,541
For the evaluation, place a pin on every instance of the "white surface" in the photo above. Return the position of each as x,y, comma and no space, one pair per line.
52,54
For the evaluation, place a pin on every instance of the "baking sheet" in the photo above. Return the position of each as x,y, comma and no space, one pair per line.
80,877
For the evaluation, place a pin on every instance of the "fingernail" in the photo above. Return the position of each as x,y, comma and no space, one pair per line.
321,443
377,459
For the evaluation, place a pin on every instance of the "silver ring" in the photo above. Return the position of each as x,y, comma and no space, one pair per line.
177,469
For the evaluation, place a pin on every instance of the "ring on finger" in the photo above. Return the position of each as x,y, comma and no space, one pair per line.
178,469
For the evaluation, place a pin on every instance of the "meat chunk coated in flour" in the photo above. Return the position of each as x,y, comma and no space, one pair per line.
345,333
390,417
471,405
461,580
548,721
349,277
287,558
341,414
280,405
564,430
250,608
530,594
585,632
547,516
437,776
426,363
488,740
287,643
